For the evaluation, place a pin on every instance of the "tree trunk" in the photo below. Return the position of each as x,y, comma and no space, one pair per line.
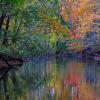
2,20
14,39
5,38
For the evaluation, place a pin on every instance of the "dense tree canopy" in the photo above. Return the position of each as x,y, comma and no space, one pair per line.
22,20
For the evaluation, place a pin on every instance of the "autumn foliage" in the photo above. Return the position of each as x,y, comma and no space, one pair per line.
79,13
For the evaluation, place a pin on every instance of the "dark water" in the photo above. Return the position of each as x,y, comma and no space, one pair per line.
60,79
55,79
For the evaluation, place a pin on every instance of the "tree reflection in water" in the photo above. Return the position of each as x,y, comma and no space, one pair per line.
56,79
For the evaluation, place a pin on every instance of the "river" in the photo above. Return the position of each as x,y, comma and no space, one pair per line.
59,79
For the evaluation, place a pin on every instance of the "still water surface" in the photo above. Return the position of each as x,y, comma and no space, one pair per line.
60,79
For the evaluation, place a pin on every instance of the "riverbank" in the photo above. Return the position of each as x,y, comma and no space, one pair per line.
62,56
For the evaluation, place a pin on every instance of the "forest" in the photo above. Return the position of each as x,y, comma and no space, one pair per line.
52,29
39,27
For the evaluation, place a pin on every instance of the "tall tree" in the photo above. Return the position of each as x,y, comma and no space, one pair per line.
8,7
79,14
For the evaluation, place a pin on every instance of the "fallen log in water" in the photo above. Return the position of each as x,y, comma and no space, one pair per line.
8,62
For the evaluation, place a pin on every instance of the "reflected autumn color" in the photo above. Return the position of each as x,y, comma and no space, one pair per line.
58,79
77,86
74,85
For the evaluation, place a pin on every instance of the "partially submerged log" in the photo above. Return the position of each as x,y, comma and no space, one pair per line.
8,62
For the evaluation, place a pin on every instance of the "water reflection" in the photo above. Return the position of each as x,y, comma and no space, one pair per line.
58,79
68,79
